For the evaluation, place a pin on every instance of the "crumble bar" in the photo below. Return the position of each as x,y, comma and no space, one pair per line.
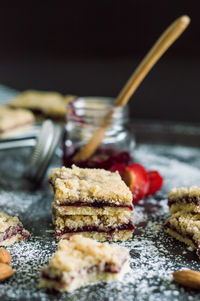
47,104
14,121
92,202
185,227
11,230
184,199
184,223
80,261
82,186
101,227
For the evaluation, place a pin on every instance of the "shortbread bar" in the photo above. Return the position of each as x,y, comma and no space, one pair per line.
11,230
100,227
14,121
81,261
95,188
93,202
186,228
184,199
48,104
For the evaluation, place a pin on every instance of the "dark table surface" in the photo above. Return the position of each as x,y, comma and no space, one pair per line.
171,149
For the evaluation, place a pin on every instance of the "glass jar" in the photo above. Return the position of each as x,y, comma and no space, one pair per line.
84,115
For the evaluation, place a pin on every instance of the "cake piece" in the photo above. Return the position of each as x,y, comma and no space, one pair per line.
117,227
11,230
93,202
47,104
185,227
81,261
184,199
14,121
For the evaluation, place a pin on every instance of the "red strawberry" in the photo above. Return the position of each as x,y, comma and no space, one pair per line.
155,182
136,178
118,167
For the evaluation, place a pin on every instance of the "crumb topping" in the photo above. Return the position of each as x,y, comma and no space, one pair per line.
80,252
7,221
177,193
89,185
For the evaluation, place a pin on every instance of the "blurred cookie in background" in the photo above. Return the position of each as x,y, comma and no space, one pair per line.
43,104
14,122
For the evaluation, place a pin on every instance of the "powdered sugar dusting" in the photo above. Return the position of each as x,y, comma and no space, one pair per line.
154,255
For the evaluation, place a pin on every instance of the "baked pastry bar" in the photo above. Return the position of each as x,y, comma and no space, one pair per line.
80,261
93,202
184,224
47,104
186,228
91,187
14,121
100,227
184,199
11,230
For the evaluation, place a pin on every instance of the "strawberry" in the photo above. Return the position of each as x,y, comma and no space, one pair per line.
136,178
155,182
118,167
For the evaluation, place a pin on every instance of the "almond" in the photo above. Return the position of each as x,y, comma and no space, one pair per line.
188,278
5,256
5,271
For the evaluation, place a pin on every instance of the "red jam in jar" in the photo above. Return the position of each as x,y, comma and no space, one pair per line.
85,115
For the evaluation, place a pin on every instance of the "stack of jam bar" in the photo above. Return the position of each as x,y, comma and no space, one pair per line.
92,202
184,223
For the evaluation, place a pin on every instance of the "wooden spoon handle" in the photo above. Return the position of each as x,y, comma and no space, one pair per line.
163,43
168,37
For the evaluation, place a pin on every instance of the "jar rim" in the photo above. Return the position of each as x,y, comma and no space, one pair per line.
100,103
92,111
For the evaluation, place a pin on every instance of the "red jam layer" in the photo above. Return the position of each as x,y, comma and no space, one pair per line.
128,227
11,231
95,204
104,157
47,277
108,268
188,200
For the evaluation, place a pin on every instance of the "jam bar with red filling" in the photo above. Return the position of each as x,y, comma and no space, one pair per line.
93,202
80,261
185,227
184,223
184,199
11,230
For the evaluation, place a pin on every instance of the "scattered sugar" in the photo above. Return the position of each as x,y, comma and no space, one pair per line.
154,254
190,249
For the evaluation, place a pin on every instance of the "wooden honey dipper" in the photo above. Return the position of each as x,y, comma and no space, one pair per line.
168,37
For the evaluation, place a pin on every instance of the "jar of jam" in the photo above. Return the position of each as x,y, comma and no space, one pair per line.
84,115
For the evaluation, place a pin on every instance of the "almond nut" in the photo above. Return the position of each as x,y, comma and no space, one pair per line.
5,271
188,278
5,256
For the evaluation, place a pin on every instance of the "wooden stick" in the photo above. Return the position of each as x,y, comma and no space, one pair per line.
160,47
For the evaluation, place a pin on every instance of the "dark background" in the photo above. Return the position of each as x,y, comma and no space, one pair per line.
92,47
